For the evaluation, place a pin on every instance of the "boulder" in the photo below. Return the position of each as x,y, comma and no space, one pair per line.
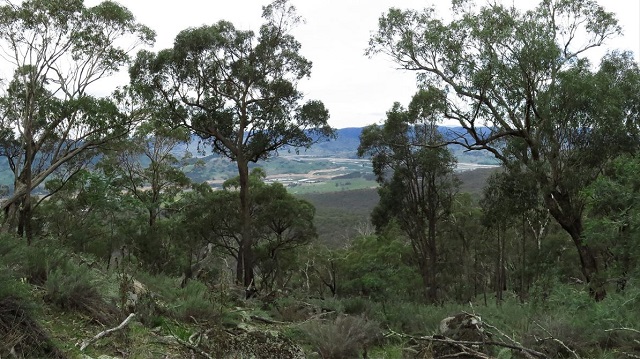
461,327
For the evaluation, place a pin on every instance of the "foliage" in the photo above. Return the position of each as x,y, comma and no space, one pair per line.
612,224
146,168
89,214
50,123
238,92
342,338
280,223
379,267
519,84
416,178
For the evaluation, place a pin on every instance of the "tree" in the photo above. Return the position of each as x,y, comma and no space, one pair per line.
145,166
417,182
89,213
238,92
520,87
57,50
280,223
613,210
283,223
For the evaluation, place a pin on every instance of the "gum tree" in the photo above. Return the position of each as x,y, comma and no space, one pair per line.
57,50
417,183
519,85
237,90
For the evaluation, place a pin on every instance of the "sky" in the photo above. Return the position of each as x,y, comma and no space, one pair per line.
356,89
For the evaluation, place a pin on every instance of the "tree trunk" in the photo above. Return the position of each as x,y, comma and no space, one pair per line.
523,290
572,224
432,293
498,271
246,243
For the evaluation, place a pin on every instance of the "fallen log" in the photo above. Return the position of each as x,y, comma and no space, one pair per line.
102,334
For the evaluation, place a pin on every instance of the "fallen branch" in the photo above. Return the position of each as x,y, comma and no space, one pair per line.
266,320
512,340
625,329
102,334
471,343
558,341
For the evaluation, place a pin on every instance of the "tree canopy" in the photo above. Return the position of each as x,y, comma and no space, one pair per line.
520,86
237,90
57,51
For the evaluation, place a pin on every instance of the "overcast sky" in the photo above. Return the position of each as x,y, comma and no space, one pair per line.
357,90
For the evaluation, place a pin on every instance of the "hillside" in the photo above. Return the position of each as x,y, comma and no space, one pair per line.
342,215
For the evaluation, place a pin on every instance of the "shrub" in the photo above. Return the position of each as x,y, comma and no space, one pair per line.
195,303
75,288
30,262
343,337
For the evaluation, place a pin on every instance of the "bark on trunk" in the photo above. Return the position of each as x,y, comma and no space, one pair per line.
572,224
246,244
432,293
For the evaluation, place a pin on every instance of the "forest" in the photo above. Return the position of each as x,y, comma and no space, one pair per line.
110,248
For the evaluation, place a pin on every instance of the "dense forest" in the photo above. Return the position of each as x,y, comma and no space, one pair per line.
109,249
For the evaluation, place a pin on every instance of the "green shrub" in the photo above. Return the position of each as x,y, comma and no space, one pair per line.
342,338
361,306
72,287
194,302
31,262
68,289
11,287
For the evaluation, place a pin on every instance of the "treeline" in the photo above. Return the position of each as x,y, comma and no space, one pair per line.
561,217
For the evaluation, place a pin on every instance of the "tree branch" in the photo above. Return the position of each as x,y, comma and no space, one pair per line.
102,334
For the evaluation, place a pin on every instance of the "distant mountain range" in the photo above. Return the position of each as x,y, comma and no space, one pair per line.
345,146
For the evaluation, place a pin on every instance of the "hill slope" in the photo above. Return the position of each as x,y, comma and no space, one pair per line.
343,215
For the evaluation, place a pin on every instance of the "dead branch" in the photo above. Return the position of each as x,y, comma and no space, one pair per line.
512,340
266,320
466,344
551,337
626,329
102,334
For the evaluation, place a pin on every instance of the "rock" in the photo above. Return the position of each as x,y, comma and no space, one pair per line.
461,327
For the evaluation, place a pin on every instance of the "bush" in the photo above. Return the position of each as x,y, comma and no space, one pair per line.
291,310
30,262
342,338
75,288
12,287
195,303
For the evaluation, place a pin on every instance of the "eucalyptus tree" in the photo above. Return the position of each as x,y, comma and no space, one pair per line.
280,224
57,50
146,167
613,208
522,77
237,90
417,183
